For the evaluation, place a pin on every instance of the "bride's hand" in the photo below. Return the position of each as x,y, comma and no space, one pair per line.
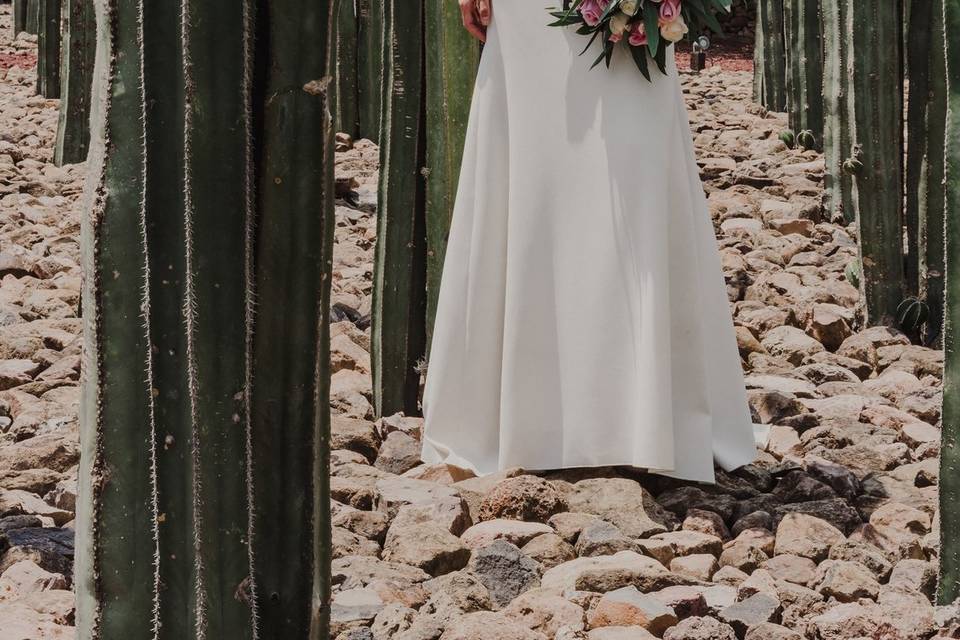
476,17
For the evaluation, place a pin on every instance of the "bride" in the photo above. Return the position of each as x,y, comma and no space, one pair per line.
582,317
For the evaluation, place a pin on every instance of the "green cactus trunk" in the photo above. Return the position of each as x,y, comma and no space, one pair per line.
48,49
19,16
931,195
452,56
399,289
369,67
76,78
769,57
876,107
202,509
348,117
804,67
33,17
838,185
949,587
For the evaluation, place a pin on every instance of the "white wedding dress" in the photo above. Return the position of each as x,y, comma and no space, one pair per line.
582,317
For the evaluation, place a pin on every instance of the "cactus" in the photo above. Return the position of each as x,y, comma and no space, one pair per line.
804,86
203,499
873,32
931,202
19,16
369,67
949,587
838,186
398,331
32,25
348,117
452,56
807,139
788,138
769,62
48,48
76,78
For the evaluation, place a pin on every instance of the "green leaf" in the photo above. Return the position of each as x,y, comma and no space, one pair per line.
603,54
707,17
651,18
595,34
661,59
640,57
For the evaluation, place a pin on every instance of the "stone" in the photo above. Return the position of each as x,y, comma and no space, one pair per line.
371,525
544,611
699,566
549,550
792,568
790,343
700,628
489,626
392,492
917,576
744,556
909,612
50,548
686,601
19,502
806,536
569,524
770,631
360,571
602,538
522,498
398,453
847,620
515,532
626,607
846,581
708,522
620,633
691,542
440,473
660,550
450,512
348,543
866,554
731,576
756,609
356,435
354,606
606,573
26,577
426,546
623,502
504,570
754,520
774,406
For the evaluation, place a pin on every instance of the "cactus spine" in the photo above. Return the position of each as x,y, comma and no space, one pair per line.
804,84
48,48
836,119
370,47
769,66
949,587
76,77
918,54
399,294
202,510
452,56
876,108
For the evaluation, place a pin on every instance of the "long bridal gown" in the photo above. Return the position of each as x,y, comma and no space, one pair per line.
582,317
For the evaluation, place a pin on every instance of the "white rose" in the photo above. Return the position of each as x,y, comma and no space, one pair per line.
629,7
618,23
674,30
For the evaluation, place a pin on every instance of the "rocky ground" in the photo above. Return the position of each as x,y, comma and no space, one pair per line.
830,535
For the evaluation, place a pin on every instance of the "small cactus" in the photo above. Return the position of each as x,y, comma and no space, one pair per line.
789,138
807,139
852,273
912,314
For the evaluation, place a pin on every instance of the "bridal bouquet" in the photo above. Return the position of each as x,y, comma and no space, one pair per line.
640,25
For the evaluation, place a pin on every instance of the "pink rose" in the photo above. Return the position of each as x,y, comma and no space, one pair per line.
638,35
615,37
669,11
592,10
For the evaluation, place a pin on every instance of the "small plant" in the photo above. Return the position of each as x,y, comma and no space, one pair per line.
789,138
912,314
806,139
852,273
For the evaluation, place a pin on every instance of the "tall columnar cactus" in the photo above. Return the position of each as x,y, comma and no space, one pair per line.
769,56
875,102
399,282
949,588
931,203
48,48
76,78
347,116
804,66
452,56
838,184
926,119
203,502
19,16
369,66
33,17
